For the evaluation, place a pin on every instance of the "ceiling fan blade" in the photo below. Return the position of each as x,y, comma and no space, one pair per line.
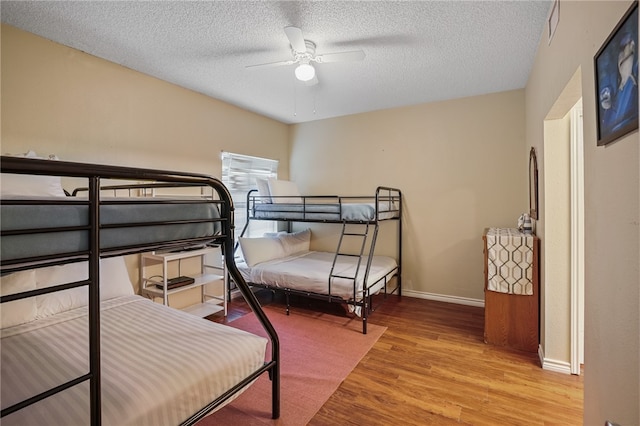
294,34
272,64
352,56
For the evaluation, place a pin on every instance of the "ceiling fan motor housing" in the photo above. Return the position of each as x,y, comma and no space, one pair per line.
308,55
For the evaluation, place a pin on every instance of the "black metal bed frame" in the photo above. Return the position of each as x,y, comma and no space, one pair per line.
158,179
383,194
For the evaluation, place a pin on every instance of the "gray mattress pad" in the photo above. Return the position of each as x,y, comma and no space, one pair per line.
125,222
353,212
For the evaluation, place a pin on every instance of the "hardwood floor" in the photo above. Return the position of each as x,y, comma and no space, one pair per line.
431,366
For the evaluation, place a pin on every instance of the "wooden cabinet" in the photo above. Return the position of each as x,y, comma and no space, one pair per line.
511,289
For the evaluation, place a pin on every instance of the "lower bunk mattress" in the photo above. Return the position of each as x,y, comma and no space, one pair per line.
309,272
159,365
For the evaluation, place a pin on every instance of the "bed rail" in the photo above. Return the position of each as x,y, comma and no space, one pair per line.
94,173
386,203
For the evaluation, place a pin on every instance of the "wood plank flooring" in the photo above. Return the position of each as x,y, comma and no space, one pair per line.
431,366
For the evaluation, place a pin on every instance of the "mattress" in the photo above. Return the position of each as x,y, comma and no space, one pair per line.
309,272
159,365
352,212
127,222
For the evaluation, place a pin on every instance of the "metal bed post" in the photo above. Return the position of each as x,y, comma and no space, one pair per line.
94,302
252,301
366,294
390,198
399,275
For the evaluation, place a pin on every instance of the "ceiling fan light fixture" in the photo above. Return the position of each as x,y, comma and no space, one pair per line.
305,72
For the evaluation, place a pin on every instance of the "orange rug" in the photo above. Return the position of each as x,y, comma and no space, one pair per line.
317,351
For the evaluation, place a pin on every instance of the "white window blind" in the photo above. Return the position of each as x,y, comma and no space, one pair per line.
239,173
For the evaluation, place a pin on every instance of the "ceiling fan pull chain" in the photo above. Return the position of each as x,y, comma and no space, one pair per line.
295,99
315,94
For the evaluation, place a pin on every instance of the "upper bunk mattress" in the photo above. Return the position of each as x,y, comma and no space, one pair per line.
159,365
127,222
337,212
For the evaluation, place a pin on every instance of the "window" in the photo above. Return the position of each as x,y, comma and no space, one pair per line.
239,173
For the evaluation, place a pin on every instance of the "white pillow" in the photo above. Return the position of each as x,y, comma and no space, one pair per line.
114,282
18,311
274,234
31,185
286,189
296,242
258,250
114,278
263,190
60,301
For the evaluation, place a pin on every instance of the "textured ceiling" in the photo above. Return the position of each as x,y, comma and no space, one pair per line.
416,51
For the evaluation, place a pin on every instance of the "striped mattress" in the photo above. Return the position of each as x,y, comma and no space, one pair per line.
309,272
159,365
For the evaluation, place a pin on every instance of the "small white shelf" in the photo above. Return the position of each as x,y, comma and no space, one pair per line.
161,256
204,309
155,286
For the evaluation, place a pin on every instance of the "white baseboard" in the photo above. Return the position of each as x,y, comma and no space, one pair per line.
553,364
444,298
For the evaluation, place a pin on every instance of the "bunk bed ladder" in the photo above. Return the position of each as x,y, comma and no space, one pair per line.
363,236
352,235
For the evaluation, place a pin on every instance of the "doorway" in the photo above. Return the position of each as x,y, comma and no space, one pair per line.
564,232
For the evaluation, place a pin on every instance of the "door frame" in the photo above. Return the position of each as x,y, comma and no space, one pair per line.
577,240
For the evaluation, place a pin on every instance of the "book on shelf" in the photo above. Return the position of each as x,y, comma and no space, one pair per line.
177,282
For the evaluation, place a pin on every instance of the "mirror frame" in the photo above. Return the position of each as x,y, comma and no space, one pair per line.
533,184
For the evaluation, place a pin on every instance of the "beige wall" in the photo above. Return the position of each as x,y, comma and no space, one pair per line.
458,163
612,180
555,226
59,100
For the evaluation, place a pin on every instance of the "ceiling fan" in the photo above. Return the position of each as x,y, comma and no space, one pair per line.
304,54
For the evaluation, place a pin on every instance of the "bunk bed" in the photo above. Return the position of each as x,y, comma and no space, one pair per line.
77,346
284,263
